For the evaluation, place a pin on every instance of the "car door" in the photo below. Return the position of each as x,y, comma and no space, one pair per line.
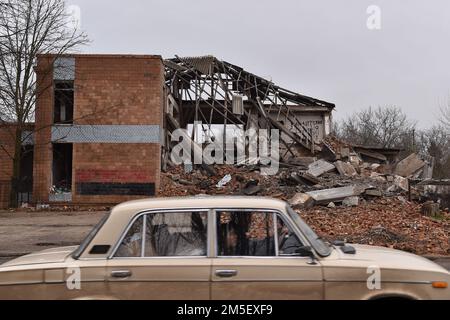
162,255
255,258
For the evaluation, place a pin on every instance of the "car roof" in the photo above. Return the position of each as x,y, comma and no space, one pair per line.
122,214
244,202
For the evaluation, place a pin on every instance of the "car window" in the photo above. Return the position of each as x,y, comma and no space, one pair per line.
131,245
176,234
244,233
166,234
288,242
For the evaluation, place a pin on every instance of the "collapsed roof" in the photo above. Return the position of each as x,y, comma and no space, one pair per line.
217,92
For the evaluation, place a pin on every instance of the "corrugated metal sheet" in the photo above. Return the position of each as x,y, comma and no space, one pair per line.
203,64
106,134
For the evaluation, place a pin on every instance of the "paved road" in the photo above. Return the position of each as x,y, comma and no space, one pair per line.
22,233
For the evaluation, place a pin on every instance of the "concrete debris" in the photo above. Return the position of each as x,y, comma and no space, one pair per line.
402,199
361,174
223,181
386,222
355,159
345,169
333,195
372,155
409,165
301,200
373,193
369,204
320,167
375,166
401,183
351,202
251,188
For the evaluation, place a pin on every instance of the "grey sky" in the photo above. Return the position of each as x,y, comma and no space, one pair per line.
318,48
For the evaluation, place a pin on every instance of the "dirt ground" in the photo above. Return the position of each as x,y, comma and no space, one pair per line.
25,232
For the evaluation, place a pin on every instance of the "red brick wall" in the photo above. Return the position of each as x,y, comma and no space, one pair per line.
109,90
117,91
42,162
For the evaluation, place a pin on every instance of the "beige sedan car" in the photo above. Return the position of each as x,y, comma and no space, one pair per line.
217,248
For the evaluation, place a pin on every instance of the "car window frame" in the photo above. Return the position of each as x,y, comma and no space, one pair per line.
76,255
275,213
155,211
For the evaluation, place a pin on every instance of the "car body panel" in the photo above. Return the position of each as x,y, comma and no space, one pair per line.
265,278
45,256
160,278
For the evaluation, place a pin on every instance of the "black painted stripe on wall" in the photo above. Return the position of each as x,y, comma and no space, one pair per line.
108,188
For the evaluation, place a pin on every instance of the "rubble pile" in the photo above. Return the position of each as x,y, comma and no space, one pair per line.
361,197
390,222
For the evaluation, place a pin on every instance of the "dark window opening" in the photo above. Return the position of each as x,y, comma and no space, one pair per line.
62,167
25,183
64,102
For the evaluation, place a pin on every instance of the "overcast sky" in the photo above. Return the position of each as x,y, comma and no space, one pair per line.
320,48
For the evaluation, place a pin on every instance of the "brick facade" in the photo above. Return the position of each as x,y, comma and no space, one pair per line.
108,90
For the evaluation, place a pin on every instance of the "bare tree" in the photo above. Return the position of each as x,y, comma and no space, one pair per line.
384,126
436,143
445,118
28,28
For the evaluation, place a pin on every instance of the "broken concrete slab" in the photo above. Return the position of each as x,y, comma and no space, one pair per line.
345,152
374,166
401,183
373,193
301,161
320,167
351,201
301,200
345,169
377,177
409,165
308,178
354,159
371,155
335,194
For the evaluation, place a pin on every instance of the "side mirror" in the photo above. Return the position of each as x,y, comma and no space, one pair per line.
304,251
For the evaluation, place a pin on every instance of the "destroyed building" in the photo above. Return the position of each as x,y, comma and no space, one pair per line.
103,123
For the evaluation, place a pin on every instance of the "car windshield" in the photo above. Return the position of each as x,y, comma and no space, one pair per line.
316,242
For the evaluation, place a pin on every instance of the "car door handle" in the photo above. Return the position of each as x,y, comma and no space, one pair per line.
226,273
121,274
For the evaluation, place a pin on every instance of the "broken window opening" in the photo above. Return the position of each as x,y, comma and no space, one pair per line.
25,186
64,102
62,171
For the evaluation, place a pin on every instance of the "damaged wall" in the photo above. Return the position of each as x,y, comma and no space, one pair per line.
115,134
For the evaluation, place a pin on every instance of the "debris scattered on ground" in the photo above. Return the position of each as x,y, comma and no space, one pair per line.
385,222
224,181
358,196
